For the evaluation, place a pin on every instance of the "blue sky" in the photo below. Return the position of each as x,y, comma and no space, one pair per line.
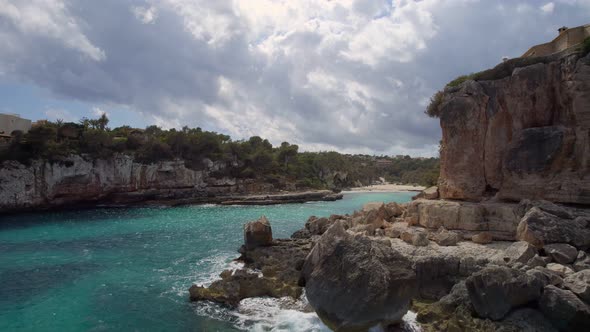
346,75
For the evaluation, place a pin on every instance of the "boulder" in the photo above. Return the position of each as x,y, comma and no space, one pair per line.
579,284
536,261
518,252
446,238
562,253
560,269
564,309
354,283
525,205
392,232
548,277
317,226
482,238
539,228
582,261
257,233
428,193
367,207
420,239
394,210
494,291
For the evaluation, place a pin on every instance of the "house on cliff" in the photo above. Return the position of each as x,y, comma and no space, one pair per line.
567,38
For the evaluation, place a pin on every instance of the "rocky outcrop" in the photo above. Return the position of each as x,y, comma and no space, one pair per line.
76,181
524,134
257,234
354,283
498,219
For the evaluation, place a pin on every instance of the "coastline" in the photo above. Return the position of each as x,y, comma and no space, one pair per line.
260,199
385,188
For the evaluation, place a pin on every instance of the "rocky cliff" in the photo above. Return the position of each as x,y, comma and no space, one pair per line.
521,132
77,181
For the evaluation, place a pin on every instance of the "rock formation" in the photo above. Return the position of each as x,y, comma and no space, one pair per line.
522,133
76,181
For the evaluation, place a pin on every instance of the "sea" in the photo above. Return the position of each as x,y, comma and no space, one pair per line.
129,269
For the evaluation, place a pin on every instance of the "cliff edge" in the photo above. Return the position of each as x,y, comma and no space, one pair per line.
522,131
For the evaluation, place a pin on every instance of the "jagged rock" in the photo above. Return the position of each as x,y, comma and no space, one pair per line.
518,252
446,238
560,269
407,236
548,277
359,300
233,288
257,233
379,232
317,226
420,239
579,284
582,261
494,291
559,211
392,232
428,193
536,261
394,210
482,238
368,207
564,309
561,252
539,228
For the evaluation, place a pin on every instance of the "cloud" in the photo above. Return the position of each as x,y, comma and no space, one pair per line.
48,19
548,8
146,15
348,75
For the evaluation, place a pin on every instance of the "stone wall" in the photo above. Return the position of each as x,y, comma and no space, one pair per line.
523,136
568,38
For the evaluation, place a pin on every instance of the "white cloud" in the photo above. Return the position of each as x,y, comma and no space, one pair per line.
347,75
49,19
146,15
548,8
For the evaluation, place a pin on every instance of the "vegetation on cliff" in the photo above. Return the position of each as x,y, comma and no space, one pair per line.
253,158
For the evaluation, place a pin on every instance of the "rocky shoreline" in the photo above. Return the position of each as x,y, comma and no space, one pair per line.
255,199
369,268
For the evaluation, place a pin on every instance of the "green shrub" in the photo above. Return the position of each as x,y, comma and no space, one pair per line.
459,80
586,46
433,109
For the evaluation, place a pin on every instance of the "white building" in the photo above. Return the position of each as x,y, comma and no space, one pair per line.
12,122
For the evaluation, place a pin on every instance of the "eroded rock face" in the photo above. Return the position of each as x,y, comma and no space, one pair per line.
354,283
524,136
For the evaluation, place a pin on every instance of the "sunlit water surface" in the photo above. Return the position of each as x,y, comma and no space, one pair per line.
130,269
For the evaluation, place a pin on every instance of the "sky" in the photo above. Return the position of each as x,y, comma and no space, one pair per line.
352,76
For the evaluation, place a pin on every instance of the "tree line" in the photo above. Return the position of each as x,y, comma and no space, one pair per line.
254,158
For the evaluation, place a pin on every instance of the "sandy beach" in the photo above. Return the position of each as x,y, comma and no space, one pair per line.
387,188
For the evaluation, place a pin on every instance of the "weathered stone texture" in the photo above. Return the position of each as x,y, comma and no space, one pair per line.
522,136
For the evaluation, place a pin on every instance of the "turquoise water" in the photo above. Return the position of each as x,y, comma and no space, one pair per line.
130,269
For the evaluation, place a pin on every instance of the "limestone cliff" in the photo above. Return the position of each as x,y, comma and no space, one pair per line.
77,181
522,132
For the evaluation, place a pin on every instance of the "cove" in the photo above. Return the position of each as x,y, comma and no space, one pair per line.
130,268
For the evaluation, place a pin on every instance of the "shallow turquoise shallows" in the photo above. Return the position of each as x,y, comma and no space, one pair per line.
130,269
